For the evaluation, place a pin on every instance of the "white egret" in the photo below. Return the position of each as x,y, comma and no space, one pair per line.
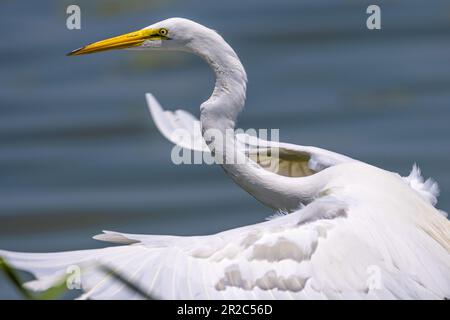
353,230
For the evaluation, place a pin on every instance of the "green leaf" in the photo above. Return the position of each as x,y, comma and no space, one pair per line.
54,292
12,275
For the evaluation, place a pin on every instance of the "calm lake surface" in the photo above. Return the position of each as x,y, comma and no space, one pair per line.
80,154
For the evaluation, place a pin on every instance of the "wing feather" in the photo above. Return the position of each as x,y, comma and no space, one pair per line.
183,129
359,254
290,160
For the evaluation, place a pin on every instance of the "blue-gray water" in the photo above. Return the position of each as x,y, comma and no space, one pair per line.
78,150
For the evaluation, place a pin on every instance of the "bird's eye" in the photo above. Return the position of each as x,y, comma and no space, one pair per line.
163,32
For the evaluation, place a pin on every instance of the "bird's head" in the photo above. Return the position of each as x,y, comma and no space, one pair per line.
170,34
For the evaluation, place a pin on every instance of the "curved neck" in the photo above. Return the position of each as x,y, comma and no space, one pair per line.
218,116
220,111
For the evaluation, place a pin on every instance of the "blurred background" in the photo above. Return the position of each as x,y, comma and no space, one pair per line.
80,154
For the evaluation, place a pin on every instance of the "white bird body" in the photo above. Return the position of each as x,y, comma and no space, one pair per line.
346,229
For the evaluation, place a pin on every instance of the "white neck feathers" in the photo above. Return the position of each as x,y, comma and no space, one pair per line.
228,98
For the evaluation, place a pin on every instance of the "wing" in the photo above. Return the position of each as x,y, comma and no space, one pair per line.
183,129
327,250
290,160
179,127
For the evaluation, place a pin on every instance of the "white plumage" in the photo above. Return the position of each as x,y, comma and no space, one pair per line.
326,250
345,229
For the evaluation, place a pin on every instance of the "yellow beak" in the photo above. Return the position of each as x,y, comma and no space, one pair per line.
128,40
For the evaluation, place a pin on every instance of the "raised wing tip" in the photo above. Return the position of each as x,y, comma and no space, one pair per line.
148,95
151,100
153,104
